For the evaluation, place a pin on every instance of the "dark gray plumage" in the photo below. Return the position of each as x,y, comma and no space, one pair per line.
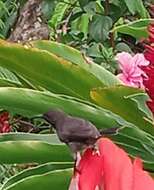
77,133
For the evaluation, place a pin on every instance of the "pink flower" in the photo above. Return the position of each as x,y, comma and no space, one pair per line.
130,66
111,170
4,123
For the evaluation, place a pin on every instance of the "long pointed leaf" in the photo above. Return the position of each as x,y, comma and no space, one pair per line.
32,151
76,57
47,70
39,170
48,138
31,102
52,180
121,100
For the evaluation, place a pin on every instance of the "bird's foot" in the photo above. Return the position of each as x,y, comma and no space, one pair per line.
96,150
76,171
77,158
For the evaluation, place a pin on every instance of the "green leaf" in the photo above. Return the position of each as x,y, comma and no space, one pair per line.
46,70
81,24
48,7
137,29
31,102
59,13
8,14
33,151
83,2
39,170
137,143
120,100
100,27
51,180
76,57
48,138
137,6
8,78
121,46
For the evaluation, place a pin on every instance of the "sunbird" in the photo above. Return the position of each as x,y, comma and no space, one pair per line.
75,132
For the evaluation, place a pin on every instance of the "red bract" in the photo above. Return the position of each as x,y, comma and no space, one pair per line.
150,86
151,10
151,33
149,53
149,70
4,123
111,170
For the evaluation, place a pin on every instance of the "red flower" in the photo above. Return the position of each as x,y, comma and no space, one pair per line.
149,70
4,123
111,170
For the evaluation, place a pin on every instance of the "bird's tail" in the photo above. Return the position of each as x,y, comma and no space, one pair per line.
109,131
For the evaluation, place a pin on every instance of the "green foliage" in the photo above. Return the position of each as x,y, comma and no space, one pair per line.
6,171
100,27
8,78
137,6
55,179
8,15
78,85
76,57
28,102
137,29
86,24
44,75
59,13
120,100
97,102
40,152
81,24
36,171
9,12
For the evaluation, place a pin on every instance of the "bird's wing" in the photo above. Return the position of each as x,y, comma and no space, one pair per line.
77,130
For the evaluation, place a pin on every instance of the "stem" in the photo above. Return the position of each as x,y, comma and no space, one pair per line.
107,5
112,39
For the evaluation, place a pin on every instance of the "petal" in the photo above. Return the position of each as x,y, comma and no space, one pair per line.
142,180
127,65
123,59
137,72
117,170
90,168
130,81
74,183
140,60
123,78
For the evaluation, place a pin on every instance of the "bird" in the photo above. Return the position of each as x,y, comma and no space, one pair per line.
77,133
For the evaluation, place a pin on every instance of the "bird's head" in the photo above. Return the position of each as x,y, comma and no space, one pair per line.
52,116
